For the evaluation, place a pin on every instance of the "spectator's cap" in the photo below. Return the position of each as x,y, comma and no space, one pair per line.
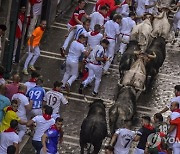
176,99
146,118
177,87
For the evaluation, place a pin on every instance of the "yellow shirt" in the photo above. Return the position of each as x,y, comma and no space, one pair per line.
37,33
9,115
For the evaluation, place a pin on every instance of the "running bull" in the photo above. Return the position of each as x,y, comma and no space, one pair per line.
128,58
94,127
158,46
123,109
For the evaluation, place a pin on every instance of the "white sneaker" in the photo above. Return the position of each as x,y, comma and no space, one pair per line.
25,72
32,67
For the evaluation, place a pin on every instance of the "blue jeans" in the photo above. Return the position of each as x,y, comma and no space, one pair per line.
37,145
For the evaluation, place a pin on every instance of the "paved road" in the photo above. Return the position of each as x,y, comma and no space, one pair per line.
49,66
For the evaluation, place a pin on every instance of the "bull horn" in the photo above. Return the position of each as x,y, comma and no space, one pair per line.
152,56
137,52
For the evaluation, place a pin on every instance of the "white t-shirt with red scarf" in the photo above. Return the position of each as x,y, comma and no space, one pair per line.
36,6
94,38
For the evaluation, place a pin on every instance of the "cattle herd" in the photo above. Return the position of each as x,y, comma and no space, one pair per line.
138,68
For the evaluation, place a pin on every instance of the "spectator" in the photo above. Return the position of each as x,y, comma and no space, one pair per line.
54,98
143,134
10,114
2,80
175,99
52,135
24,106
32,81
19,30
8,138
33,47
12,88
36,96
2,31
43,122
4,101
172,131
11,149
36,9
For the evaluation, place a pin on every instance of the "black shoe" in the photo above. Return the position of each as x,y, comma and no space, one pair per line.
67,86
94,94
62,51
81,88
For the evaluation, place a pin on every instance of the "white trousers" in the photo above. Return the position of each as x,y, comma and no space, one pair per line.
138,151
32,25
95,71
176,148
71,73
110,53
22,131
124,40
176,23
69,38
15,48
32,56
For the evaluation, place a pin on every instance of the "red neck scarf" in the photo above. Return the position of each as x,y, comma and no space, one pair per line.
43,29
32,80
21,92
102,14
124,2
9,109
10,130
79,41
148,126
55,90
54,127
176,110
46,116
94,33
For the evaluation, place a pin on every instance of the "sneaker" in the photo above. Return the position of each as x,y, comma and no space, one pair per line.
81,88
94,93
62,51
67,86
32,68
106,73
25,72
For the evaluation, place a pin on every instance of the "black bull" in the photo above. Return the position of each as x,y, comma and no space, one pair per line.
94,127
158,46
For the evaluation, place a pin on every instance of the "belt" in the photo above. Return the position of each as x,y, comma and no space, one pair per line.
124,34
95,63
110,38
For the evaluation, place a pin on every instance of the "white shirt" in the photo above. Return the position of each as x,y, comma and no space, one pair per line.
140,10
94,40
127,25
123,10
75,51
37,7
96,18
2,81
41,126
174,99
173,116
124,140
54,99
29,85
111,29
152,10
98,52
79,30
7,139
23,102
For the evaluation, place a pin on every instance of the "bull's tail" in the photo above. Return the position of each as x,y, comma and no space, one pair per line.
90,140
